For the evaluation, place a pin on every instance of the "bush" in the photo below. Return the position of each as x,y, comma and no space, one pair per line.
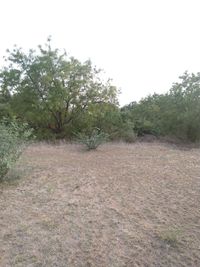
13,138
125,132
92,140
129,136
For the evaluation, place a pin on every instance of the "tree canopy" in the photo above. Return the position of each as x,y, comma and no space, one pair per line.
58,96
49,89
176,113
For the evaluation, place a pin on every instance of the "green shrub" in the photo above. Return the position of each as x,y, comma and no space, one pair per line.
92,140
129,136
125,132
171,236
13,138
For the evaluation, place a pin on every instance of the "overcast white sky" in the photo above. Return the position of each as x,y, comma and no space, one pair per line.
144,45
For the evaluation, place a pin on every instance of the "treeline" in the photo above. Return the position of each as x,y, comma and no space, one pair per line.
59,96
175,114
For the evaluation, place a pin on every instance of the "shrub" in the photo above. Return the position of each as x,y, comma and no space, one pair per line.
13,138
170,236
125,132
92,140
129,136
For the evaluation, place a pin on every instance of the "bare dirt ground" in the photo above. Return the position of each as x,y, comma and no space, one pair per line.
122,205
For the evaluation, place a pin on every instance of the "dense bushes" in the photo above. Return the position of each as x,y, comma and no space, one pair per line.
109,119
176,113
12,140
58,96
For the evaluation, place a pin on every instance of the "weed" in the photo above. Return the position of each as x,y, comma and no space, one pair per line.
93,140
170,236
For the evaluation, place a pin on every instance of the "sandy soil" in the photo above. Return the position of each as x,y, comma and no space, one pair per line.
122,205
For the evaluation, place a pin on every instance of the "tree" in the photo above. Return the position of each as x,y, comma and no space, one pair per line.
176,113
184,112
50,89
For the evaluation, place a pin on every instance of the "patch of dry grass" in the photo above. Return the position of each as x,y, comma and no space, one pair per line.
122,205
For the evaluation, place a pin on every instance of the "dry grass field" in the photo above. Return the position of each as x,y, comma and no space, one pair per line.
119,206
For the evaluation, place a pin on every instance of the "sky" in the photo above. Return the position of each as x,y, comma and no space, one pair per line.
143,45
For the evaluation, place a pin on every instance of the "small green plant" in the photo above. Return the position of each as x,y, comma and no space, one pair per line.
92,140
170,236
13,138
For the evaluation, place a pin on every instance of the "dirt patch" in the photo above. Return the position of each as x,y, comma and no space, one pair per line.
122,205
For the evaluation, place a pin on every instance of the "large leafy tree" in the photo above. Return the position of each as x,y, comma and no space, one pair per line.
50,89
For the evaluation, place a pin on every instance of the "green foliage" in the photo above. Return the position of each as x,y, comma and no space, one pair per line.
50,90
5,109
171,236
176,113
104,116
12,141
92,140
126,132
144,115
58,95
109,119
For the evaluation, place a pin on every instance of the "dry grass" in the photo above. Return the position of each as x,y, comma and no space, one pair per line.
122,205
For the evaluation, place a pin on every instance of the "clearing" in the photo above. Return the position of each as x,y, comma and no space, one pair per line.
121,205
